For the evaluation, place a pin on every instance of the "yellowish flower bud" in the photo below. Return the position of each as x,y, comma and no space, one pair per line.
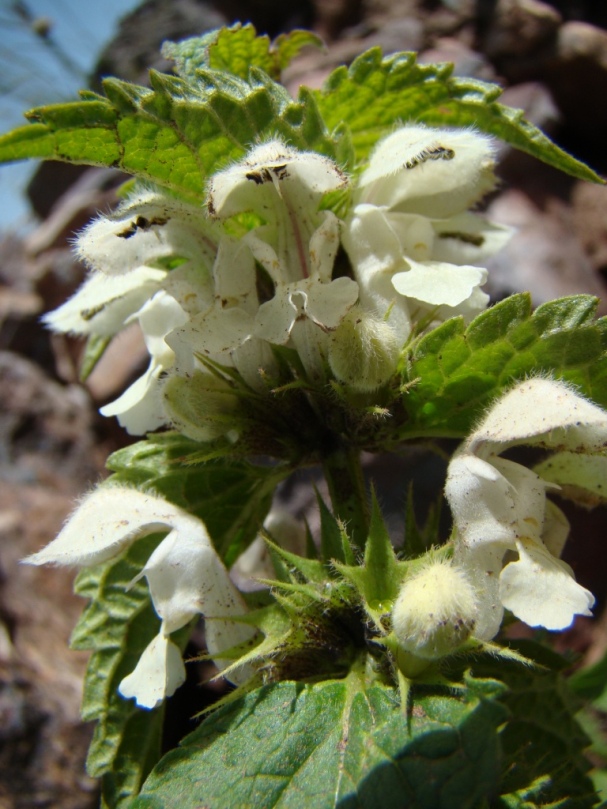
364,351
435,612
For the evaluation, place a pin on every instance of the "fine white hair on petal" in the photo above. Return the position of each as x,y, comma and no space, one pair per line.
103,304
146,228
158,674
105,522
433,172
542,411
233,190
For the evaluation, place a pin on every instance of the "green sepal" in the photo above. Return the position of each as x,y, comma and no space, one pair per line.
379,577
453,373
334,543
299,567
93,351
377,93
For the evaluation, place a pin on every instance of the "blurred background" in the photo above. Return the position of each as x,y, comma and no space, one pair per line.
551,60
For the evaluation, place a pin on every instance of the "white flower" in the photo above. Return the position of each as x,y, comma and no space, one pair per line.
508,535
273,170
435,612
185,577
140,408
296,246
104,305
313,296
410,232
147,228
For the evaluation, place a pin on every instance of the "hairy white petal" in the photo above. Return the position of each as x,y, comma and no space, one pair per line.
542,411
433,172
103,304
272,165
145,229
158,674
108,520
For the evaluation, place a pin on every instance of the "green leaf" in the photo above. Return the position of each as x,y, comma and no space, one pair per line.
590,683
455,372
375,93
117,625
231,497
236,50
176,134
333,744
543,743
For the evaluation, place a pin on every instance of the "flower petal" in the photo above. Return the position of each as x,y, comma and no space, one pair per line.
158,674
541,590
103,304
146,228
438,284
542,411
433,172
186,578
582,478
271,164
107,520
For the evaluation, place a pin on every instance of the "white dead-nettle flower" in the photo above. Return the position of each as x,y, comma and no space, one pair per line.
410,233
140,408
104,305
148,228
185,577
313,296
363,350
297,246
508,536
272,170
126,251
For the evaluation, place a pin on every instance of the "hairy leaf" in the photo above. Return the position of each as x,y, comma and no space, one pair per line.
117,625
333,744
543,742
375,93
457,371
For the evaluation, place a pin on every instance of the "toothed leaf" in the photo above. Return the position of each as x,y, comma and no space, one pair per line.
455,372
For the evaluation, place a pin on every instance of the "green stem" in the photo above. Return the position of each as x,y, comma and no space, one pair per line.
344,476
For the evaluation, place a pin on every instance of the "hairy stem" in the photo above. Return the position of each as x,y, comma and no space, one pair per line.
343,473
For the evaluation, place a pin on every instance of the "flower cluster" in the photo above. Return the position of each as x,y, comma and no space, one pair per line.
255,270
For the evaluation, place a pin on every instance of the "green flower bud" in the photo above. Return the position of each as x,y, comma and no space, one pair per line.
435,612
363,351
200,406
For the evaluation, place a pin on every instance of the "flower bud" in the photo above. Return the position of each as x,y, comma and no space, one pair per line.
201,406
435,612
364,351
